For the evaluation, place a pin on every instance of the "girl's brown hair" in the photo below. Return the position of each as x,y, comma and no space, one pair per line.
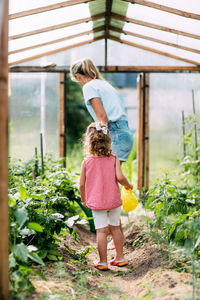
85,67
97,140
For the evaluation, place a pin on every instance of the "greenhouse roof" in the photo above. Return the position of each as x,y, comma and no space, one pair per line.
170,30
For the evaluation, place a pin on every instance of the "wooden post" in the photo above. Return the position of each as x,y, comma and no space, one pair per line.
140,154
61,115
4,251
143,131
146,131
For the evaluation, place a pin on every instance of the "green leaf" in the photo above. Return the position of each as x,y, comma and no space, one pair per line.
22,193
12,200
12,261
21,251
52,257
54,252
21,215
35,226
43,253
34,257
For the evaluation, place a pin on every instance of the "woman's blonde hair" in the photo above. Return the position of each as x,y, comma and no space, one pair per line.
85,67
97,140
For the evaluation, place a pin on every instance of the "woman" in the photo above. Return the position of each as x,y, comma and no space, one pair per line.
103,104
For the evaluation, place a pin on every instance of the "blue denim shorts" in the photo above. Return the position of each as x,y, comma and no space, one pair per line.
122,138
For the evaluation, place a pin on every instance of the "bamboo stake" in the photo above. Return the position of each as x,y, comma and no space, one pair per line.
42,157
183,127
4,232
195,126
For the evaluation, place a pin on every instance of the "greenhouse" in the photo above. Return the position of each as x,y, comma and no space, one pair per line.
149,51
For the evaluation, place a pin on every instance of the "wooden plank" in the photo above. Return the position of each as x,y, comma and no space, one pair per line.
58,26
46,8
107,23
61,115
4,232
141,36
154,50
166,8
140,157
146,132
124,69
159,27
55,51
100,28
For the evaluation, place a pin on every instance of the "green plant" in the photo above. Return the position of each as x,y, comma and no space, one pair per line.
41,208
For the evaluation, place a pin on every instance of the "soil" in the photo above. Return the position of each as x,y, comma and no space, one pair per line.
149,275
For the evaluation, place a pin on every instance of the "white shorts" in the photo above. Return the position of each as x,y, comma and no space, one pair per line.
104,217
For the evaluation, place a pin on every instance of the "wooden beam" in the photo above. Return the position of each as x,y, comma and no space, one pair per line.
55,51
153,39
154,51
46,8
100,28
4,220
59,26
143,23
166,8
114,69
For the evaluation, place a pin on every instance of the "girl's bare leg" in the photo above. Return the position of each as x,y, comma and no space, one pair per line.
111,243
102,234
118,240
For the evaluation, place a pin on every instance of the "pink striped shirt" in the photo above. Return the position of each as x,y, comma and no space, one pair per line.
101,186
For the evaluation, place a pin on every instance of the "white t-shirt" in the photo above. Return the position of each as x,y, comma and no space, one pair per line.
98,88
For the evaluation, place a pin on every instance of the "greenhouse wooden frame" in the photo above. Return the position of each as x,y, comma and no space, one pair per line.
107,32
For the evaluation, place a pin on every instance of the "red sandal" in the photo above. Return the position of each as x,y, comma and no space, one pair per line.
100,266
119,263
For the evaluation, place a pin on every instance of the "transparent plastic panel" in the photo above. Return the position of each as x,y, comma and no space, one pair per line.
189,6
170,94
34,109
163,35
95,51
127,55
163,18
49,36
16,6
49,18
17,57
164,48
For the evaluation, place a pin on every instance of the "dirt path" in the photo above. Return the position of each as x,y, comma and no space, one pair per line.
148,275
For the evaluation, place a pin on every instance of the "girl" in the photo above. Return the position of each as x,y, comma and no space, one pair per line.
103,104
100,174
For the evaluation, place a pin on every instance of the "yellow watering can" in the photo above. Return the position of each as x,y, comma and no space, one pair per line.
129,201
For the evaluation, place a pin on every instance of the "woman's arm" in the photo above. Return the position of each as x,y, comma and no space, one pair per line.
120,176
82,183
99,110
